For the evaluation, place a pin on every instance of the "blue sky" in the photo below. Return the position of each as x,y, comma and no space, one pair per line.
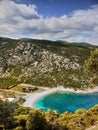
58,8
71,20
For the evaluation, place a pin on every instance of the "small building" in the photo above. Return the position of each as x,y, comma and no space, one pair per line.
11,99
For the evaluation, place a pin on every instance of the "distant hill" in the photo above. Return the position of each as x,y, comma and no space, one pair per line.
43,62
82,44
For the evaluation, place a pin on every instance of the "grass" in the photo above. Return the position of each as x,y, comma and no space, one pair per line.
17,88
6,93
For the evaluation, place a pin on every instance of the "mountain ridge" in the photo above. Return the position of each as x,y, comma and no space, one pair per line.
58,42
43,62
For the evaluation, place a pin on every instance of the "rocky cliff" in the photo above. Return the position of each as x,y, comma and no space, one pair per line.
43,63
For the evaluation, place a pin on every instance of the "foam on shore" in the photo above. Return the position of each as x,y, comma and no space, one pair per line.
32,98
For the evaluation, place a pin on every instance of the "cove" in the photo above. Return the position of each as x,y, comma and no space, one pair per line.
70,102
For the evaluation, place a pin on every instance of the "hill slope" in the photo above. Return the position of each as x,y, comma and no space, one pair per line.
43,62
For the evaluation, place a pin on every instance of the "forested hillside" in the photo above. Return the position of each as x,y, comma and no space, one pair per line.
43,63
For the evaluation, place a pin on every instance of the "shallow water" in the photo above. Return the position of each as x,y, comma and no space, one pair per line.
66,101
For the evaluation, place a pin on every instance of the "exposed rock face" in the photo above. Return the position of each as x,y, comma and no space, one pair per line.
44,63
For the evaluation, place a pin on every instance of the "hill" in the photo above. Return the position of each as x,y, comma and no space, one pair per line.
43,62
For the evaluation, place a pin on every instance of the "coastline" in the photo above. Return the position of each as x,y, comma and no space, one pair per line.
32,98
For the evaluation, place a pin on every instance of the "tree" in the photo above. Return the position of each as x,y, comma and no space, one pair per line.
91,66
20,121
7,110
22,111
30,119
21,116
36,121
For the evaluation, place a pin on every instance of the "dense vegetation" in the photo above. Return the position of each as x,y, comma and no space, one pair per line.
43,63
14,117
91,67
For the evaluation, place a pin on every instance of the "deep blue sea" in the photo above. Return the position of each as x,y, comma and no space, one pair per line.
67,101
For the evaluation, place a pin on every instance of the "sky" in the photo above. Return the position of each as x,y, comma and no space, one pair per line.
69,20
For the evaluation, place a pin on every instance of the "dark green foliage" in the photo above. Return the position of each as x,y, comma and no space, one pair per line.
21,100
6,82
91,67
13,117
30,119
36,121
92,63
7,110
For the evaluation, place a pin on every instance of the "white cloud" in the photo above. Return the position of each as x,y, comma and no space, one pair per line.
20,20
9,9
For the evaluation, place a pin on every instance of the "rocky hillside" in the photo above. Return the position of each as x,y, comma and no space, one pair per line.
43,63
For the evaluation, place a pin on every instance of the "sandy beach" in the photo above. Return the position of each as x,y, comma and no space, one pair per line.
32,98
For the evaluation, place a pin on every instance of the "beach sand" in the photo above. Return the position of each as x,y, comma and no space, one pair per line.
32,98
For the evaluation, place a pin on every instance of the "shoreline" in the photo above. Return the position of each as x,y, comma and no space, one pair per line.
32,98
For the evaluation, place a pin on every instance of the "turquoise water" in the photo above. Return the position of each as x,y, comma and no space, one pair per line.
67,101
